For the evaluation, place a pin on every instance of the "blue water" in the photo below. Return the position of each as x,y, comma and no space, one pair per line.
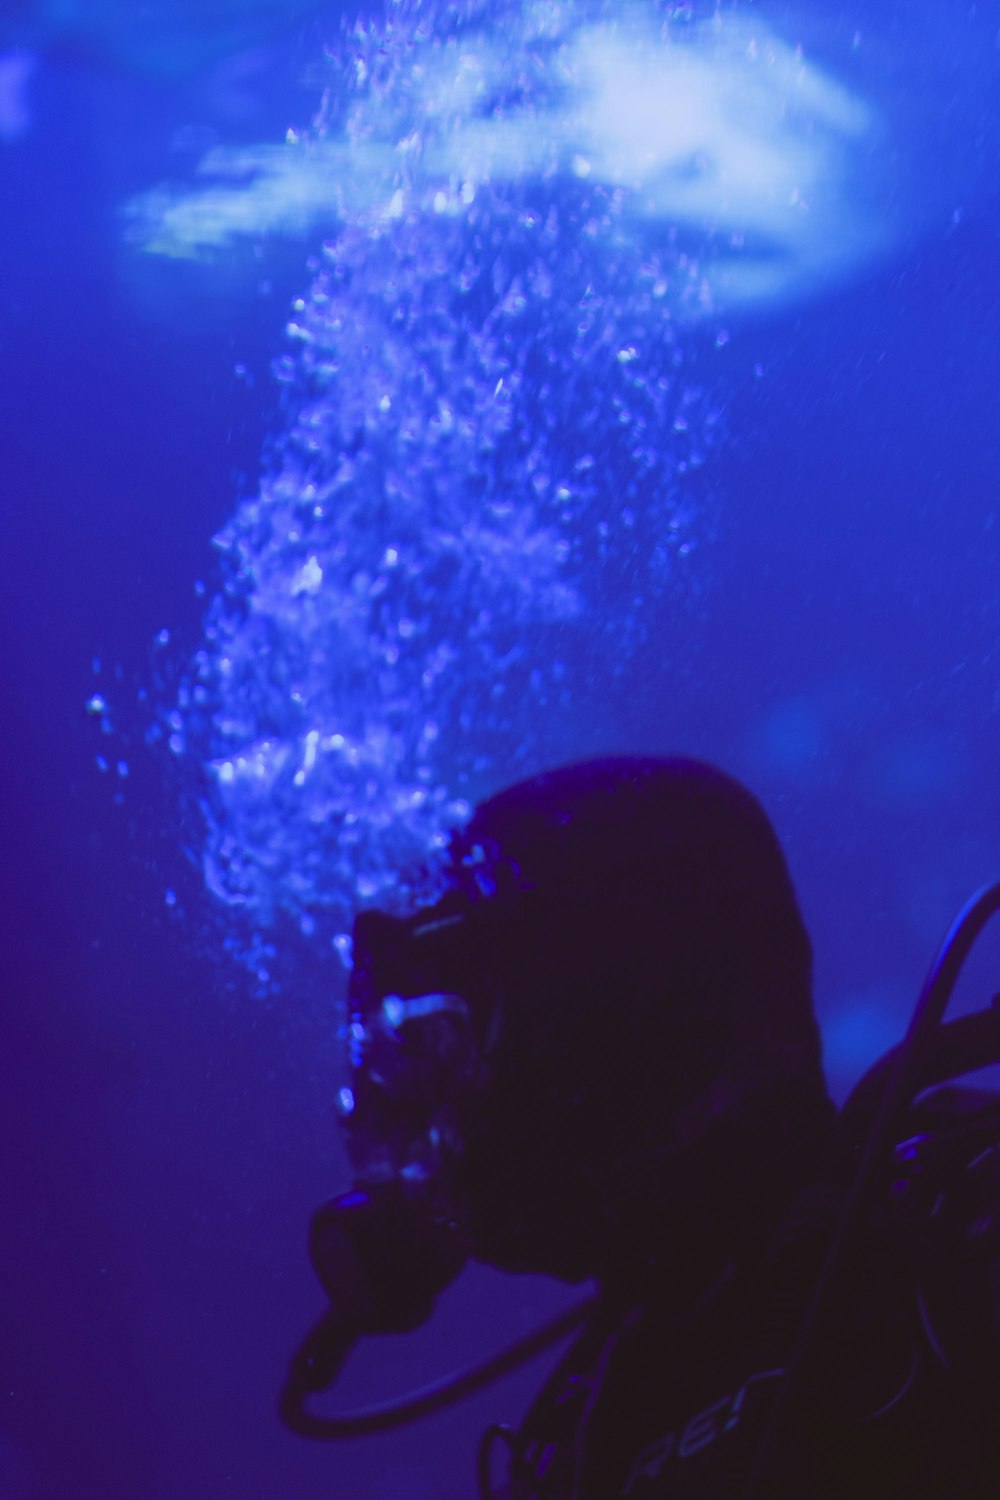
648,464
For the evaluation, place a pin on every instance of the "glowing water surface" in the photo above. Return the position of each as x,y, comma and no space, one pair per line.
485,480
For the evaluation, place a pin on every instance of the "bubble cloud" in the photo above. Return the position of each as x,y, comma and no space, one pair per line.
484,482
715,125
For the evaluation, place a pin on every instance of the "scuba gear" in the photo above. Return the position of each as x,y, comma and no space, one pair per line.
416,1052
418,1035
549,1070
381,1257
414,1064
319,1359
910,1071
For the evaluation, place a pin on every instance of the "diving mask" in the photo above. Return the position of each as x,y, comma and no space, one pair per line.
416,1046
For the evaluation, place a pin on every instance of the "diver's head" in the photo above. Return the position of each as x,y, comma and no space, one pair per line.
599,1048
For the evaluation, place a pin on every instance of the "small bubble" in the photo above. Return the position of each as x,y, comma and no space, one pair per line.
170,897
122,768
309,577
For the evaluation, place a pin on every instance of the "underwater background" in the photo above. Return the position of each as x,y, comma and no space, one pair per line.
391,408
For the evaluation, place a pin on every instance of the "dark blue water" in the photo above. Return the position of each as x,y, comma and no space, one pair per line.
834,642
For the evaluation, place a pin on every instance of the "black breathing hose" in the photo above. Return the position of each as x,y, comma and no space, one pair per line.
322,1354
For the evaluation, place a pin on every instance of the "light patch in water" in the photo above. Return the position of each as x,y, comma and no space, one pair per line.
719,128
16,68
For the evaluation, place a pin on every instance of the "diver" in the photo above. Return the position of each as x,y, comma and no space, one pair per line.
596,1057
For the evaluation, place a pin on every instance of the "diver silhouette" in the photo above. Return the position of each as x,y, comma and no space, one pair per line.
596,1057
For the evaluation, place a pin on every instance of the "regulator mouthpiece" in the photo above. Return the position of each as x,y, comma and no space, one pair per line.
382,1255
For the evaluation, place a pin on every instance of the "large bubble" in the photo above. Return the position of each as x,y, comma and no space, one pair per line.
485,481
